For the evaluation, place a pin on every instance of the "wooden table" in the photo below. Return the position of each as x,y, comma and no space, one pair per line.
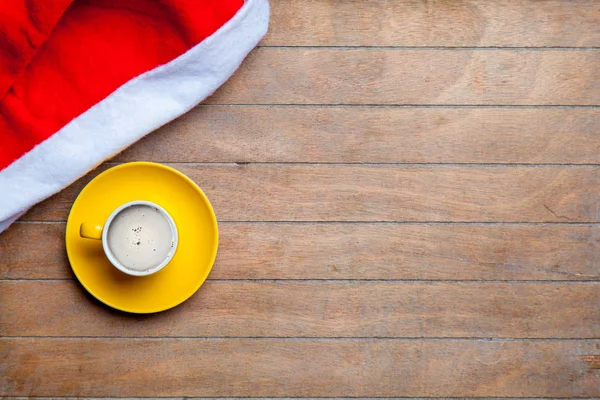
409,204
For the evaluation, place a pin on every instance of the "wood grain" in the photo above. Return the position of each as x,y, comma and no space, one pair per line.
593,361
383,193
375,135
353,251
34,252
296,368
404,77
316,309
434,23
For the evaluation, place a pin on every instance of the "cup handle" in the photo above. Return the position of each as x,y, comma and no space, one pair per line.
91,231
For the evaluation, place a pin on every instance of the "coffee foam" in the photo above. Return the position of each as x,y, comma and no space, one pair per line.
140,238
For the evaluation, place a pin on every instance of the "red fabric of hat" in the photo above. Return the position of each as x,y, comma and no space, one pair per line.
80,80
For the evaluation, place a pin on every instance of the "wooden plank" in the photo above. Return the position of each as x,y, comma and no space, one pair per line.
375,135
383,193
434,23
405,77
593,361
34,252
296,368
353,251
316,309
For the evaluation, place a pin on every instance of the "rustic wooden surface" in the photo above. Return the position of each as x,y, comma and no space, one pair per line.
408,197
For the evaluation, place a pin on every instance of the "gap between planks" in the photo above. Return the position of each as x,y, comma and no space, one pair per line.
302,339
358,280
290,398
366,164
483,223
457,48
403,105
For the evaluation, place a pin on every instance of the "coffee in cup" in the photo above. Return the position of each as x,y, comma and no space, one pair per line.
139,238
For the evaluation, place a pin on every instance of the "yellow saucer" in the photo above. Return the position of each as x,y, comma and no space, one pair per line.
196,224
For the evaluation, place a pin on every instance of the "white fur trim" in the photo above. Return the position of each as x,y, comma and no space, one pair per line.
135,109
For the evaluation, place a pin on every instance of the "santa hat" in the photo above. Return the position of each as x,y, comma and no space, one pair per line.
80,80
